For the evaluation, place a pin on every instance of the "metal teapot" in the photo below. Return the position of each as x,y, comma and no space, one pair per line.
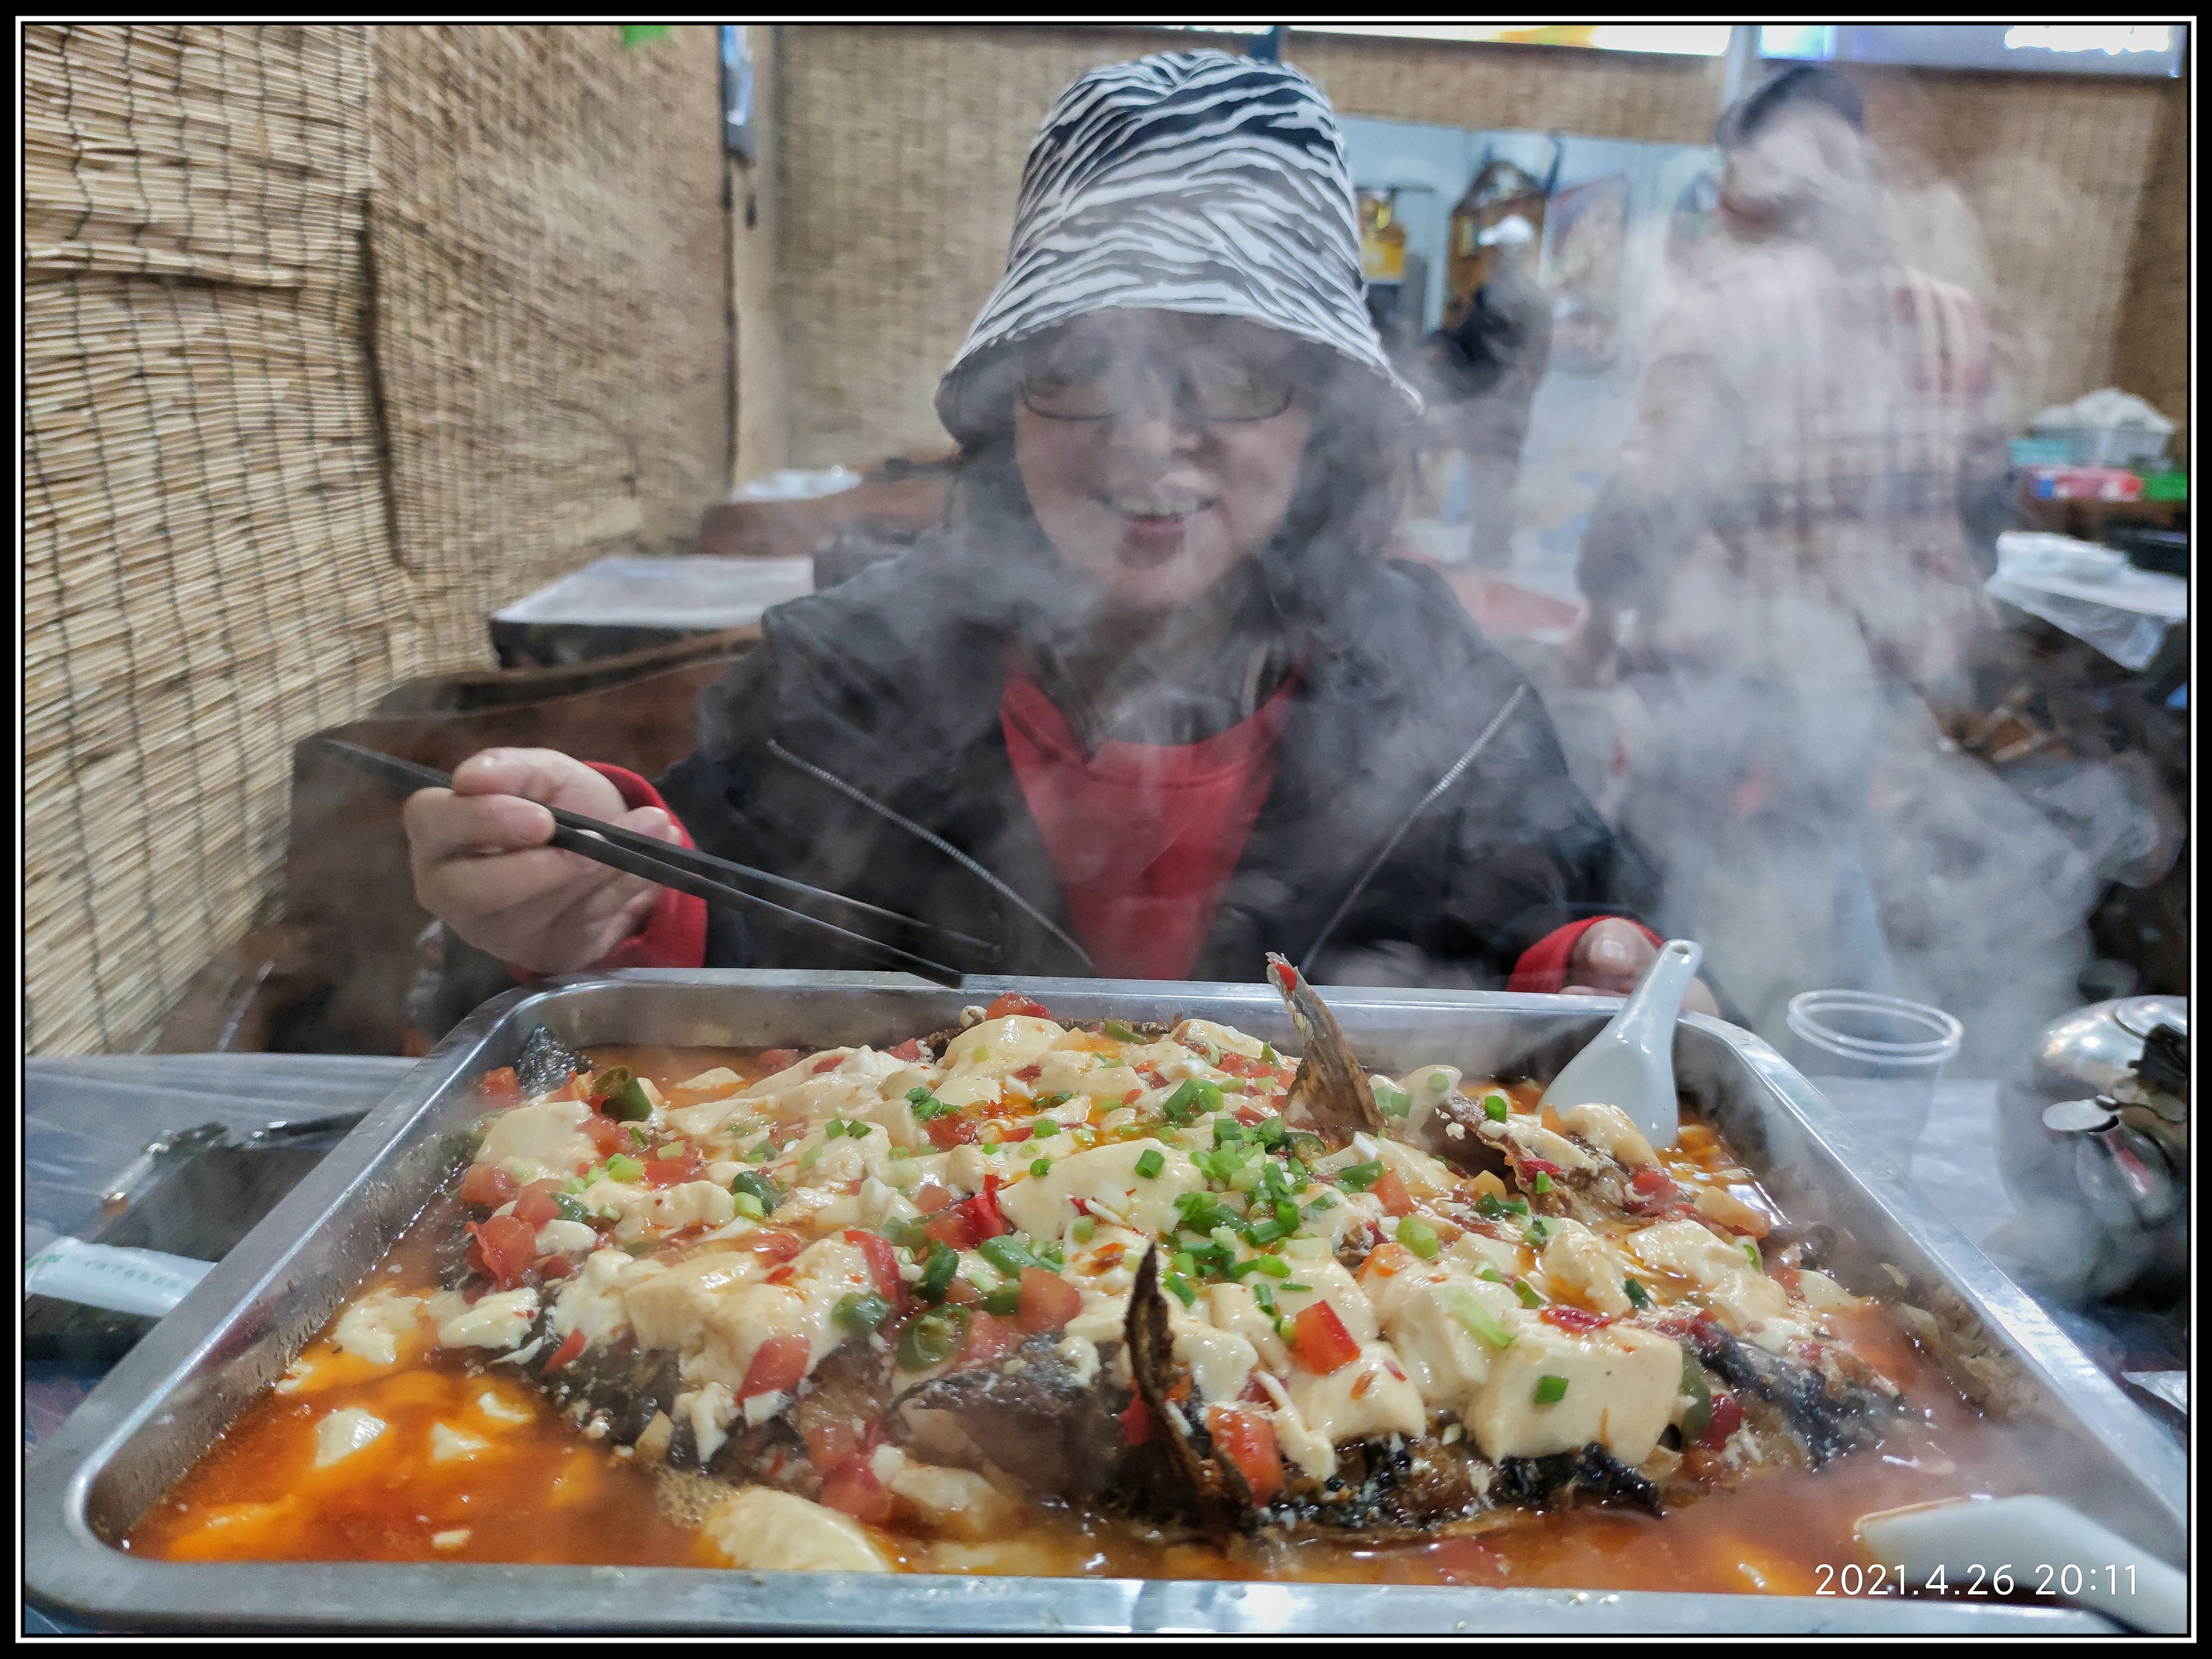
2094,1150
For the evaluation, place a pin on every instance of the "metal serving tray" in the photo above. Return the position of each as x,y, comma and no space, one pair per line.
170,1398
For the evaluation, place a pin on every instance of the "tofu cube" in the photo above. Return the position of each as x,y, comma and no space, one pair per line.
1620,1387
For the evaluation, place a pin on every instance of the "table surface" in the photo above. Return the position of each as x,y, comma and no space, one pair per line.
86,1118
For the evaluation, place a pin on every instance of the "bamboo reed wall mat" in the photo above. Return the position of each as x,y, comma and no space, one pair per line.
336,337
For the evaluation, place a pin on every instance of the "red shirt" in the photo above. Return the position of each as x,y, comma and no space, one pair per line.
1145,837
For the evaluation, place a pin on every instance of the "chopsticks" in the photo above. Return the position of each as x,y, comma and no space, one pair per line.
701,874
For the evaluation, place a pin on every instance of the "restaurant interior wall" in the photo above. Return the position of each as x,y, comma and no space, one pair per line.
336,339
904,148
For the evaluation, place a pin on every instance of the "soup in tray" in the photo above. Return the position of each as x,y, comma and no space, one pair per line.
1028,1297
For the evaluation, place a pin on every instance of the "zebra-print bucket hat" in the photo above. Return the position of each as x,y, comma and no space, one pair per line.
1189,181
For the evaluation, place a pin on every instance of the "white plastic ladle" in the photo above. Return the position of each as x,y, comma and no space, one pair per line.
1631,1063
2047,1546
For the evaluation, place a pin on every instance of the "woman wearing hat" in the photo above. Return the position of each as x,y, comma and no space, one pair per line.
1152,704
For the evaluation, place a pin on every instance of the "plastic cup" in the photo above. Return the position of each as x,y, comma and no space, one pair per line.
1876,1057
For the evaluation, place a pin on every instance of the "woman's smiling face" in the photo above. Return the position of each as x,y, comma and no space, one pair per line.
1160,449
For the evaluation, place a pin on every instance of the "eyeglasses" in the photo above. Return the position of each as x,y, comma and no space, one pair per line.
1094,380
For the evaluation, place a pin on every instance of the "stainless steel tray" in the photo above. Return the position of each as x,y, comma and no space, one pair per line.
166,1403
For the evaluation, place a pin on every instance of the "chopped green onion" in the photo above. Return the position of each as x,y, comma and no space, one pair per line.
1227,1131
833,1128
621,1167
1267,1053
933,1339
1247,1181
1751,1249
1273,1266
1083,1228
1538,1234
1267,1131
1550,1390
762,1191
861,1311
1542,1183
980,1056
1004,1302
1360,1176
1046,1129
1527,1292
637,1134
1637,1295
764,1153
811,1156
1416,1235
1489,1274
1007,1253
1121,1033
1040,1166
1225,1238
568,1209
1478,1320
1150,1165
1267,1232
1699,1417
926,1105
1393,1103
1181,1287
858,1131
907,1235
1192,1097
1490,1206
1496,1108
1048,1255
1438,1083
747,1203
1185,1264
937,1272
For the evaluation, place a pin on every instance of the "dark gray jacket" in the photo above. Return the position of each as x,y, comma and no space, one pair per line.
1421,803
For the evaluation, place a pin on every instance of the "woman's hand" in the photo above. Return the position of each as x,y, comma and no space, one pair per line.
1588,653
1611,956
482,866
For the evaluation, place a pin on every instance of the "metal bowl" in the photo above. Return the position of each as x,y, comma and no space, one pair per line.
2091,1050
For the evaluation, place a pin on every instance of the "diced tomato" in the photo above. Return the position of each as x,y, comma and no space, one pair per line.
535,1203
1322,1342
854,1490
508,1246
1247,1439
1252,1389
1392,1193
1130,1099
831,1445
772,1243
778,1060
1014,1002
499,1084
961,1294
929,1198
828,1063
556,1266
567,1352
782,1275
953,1129
487,1184
1386,1260
1010,1133
883,1262
1361,1384
778,1365
1136,1423
1536,1166
1650,1181
989,1341
983,1212
1047,1302
1728,1417
673,1172
910,1051
1285,976
1572,1318
953,1227
608,1137
1031,1073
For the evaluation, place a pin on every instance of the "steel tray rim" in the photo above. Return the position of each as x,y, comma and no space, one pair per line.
69,1567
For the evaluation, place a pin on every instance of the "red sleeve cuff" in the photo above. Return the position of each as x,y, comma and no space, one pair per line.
1543,965
675,930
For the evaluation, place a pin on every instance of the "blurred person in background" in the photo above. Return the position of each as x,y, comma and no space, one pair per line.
1152,702
1482,377
1784,556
